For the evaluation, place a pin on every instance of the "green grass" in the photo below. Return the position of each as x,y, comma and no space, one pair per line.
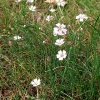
75,78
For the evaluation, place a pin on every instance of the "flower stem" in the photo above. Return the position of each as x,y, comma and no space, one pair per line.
37,93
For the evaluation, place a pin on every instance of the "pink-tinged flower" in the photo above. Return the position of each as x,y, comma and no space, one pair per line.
32,8
49,18
45,41
69,43
61,55
48,58
91,18
68,26
82,17
52,10
35,82
59,42
17,0
30,1
38,18
10,43
61,3
60,29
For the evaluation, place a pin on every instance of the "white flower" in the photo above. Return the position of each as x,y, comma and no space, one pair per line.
30,1
60,25
35,82
61,3
61,55
60,29
81,29
55,31
17,0
50,1
81,17
32,8
49,18
52,10
17,37
40,28
59,42
24,26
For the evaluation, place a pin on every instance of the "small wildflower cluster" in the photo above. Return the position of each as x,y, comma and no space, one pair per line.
31,7
61,3
50,17
60,30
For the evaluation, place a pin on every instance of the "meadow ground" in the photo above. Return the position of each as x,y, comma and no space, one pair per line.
28,50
